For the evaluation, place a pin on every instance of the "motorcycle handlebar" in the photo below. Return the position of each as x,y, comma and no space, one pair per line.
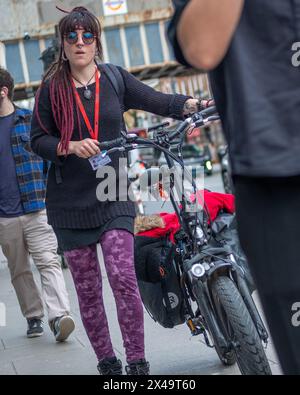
180,129
197,119
208,112
111,144
160,125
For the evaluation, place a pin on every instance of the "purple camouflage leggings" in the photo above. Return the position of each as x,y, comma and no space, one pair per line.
118,253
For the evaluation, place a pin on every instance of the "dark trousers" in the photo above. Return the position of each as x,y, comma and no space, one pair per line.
268,212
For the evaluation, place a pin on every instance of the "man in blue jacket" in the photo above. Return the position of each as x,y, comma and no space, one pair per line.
247,47
24,230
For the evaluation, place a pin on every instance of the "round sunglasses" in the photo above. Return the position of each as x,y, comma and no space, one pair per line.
87,37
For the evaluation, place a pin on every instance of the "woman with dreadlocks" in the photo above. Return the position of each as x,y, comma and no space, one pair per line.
76,108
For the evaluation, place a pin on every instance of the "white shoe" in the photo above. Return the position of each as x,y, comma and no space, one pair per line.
62,327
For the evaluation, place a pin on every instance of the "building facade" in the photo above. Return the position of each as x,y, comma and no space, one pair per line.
135,40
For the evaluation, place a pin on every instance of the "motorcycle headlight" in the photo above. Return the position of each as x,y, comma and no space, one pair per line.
198,270
208,165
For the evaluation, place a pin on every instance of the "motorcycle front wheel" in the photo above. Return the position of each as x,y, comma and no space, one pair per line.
239,328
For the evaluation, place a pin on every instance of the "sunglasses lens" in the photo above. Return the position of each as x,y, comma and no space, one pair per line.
71,37
88,37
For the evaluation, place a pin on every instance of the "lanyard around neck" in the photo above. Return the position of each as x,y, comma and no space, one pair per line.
93,133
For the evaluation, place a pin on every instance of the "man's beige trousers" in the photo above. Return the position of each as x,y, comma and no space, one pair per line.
31,235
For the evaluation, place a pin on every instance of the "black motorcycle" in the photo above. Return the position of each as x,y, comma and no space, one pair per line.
199,268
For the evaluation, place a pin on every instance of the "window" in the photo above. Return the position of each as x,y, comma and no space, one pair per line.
114,46
34,64
13,62
154,43
134,44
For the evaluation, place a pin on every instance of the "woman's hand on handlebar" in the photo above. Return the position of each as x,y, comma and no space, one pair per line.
190,107
83,148
194,105
203,104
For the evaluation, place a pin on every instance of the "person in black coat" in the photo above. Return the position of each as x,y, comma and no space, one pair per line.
250,49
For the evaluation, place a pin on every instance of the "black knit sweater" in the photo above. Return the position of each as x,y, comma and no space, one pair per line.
73,203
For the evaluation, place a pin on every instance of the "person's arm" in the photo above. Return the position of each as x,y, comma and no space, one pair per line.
205,30
139,96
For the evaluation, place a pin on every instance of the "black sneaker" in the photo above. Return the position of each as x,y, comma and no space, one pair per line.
62,327
110,366
137,368
35,327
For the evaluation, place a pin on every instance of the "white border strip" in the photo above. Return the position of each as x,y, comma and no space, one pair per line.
104,47
124,47
2,55
145,44
163,40
24,62
42,45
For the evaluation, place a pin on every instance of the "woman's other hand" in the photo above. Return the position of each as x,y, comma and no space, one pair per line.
83,148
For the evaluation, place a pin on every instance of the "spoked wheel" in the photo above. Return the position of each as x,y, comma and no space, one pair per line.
239,328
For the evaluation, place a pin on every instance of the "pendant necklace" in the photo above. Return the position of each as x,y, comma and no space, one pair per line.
87,92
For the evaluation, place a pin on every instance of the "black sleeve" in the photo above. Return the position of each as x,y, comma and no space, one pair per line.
179,6
139,96
44,140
